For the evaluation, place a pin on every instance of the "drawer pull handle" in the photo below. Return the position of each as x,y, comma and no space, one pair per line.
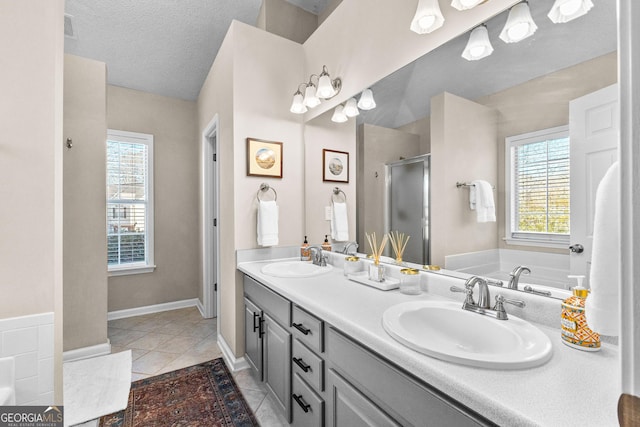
301,328
256,316
301,364
305,407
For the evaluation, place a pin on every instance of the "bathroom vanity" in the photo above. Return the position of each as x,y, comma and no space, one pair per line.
319,345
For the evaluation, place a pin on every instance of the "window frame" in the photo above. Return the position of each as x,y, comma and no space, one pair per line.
148,265
548,240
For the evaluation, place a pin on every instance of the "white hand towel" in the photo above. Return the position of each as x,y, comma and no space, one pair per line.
481,195
603,306
339,222
267,223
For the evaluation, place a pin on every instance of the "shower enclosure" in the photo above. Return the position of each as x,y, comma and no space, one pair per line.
407,205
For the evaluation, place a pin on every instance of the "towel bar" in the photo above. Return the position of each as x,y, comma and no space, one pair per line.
264,187
468,184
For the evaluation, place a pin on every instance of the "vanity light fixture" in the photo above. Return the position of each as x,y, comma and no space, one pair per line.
338,115
466,4
351,108
297,106
567,10
479,45
310,98
428,17
327,88
366,101
519,24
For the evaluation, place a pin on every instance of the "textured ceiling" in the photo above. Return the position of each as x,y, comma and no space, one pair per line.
404,96
159,46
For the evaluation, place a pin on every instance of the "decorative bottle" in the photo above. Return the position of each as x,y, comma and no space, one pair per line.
326,246
575,331
305,252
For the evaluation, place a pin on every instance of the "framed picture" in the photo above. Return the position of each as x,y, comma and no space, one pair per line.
335,166
264,158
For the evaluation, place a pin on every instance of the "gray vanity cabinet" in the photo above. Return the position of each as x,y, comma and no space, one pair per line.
268,340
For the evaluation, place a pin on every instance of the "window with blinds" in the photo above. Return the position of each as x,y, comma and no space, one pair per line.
129,202
538,178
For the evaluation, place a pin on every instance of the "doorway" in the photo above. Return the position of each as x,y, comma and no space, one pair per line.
210,204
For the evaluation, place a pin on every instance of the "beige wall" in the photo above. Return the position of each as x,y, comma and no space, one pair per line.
173,123
31,41
249,88
319,134
543,103
422,128
85,242
286,20
376,147
463,148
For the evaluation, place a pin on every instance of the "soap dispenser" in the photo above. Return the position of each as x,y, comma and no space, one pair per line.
326,246
574,328
305,252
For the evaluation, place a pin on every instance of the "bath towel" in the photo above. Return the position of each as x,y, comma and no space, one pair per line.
339,222
602,307
267,223
481,199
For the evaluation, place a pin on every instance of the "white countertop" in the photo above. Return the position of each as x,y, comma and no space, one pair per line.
575,388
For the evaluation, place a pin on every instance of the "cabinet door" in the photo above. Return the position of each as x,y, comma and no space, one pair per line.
252,339
277,363
347,407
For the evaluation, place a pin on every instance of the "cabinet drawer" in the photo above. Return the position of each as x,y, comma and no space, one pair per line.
309,366
278,307
308,407
395,392
308,329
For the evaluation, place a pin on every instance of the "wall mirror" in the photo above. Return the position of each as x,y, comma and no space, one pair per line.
521,87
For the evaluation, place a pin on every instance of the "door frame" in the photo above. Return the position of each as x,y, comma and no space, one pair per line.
210,206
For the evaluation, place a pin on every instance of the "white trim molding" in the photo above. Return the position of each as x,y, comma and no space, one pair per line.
234,363
87,352
148,309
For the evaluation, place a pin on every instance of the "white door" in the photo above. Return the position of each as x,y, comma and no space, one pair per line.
594,122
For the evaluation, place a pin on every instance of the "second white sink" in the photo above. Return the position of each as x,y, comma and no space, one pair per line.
295,269
442,329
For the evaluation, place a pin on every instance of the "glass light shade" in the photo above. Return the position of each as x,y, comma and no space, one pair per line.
338,115
366,101
351,108
428,17
566,10
479,45
297,106
465,4
310,98
519,24
325,89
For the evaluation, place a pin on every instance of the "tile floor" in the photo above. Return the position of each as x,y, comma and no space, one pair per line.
170,340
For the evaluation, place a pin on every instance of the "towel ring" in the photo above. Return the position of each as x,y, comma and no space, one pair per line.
336,192
264,187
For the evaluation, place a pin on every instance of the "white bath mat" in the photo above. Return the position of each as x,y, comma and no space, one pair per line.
96,387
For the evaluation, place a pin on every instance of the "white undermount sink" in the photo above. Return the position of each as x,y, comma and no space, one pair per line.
442,329
295,269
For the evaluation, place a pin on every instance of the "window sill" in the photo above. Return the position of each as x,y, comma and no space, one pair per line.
136,269
541,243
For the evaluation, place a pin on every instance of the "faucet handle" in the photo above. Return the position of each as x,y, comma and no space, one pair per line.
468,291
501,313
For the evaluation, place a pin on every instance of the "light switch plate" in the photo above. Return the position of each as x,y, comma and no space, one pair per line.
327,213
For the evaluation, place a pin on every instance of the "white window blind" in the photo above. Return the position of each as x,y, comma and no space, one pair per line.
539,190
129,202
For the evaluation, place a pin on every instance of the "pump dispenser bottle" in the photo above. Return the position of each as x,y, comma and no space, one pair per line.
574,328
326,246
305,252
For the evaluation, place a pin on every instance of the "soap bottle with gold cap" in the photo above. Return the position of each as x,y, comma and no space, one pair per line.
575,331
305,252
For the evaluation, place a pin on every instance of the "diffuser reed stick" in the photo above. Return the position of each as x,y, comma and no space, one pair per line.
376,250
398,243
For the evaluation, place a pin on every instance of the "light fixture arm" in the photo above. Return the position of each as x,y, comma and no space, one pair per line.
298,91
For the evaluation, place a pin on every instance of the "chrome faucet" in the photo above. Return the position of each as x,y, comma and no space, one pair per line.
515,276
316,256
483,306
345,250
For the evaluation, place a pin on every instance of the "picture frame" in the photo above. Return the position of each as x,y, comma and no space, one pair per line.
264,158
335,166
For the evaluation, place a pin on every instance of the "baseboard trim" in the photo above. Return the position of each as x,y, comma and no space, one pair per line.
156,308
87,352
234,364
201,308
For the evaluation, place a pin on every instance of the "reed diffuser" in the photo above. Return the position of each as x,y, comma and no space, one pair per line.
398,243
376,271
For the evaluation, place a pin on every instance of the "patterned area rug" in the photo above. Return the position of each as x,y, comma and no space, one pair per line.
201,395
